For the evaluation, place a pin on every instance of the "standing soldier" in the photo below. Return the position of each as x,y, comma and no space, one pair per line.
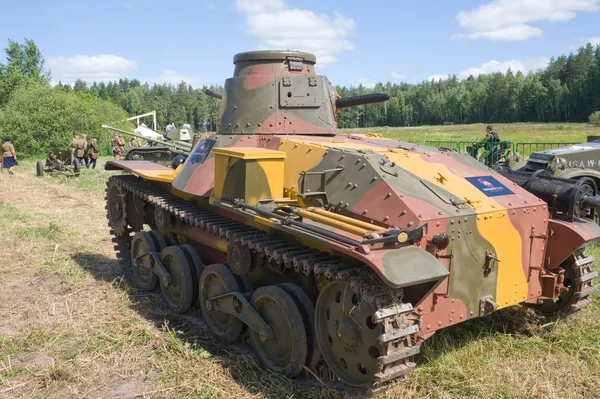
92,153
73,145
118,147
9,156
134,142
80,148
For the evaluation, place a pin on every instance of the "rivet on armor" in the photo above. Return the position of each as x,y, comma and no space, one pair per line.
410,224
386,218
347,205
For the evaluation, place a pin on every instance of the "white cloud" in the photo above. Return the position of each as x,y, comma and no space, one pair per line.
397,77
366,82
96,68
128,5
170,76
595,41
436,78
275,25
509,20
492,66
211,6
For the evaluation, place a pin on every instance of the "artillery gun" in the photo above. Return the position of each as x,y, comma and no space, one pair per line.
340,254
58,162
159,151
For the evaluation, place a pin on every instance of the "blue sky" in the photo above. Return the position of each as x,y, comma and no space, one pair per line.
355,41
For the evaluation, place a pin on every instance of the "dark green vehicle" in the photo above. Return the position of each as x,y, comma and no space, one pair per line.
571,162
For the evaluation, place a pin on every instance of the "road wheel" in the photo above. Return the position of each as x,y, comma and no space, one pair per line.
285,351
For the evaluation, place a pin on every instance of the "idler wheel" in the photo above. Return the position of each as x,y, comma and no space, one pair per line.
218,280
307,311
144,278
180,292
347,334
239,258
116,208
285,350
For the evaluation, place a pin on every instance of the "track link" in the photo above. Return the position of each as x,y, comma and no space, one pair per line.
582,266
400,322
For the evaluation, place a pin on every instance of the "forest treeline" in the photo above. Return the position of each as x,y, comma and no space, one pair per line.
567,90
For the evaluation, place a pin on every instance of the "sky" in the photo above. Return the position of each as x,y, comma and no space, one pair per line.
356,42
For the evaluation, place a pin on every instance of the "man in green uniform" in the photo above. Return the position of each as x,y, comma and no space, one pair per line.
92,153
487,146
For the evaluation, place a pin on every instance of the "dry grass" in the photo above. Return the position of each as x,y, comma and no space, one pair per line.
72,327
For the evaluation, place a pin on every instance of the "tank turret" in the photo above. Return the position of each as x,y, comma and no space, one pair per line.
279,92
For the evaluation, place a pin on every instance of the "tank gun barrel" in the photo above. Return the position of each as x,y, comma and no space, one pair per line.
213,94
361,99
177,149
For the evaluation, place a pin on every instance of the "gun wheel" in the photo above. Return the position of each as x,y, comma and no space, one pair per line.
143,276
116,208
179,293
218,280
347,335
39,168
285,351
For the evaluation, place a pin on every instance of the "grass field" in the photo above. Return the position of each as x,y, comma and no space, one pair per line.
515,132
71,326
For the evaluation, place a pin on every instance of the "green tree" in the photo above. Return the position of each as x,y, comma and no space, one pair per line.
25,65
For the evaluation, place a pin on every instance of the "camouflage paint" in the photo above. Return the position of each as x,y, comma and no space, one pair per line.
390,183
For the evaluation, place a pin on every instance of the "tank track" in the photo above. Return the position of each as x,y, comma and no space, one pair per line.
582,266
401,324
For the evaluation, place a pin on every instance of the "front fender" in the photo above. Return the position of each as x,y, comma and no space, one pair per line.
412,267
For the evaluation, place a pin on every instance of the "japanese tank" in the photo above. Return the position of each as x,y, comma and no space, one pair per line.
170,149
338,255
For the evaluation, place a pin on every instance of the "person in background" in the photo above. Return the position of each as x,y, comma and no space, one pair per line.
135,142
9,156
73,145
490,135
118,147
80,148
92,153
488,147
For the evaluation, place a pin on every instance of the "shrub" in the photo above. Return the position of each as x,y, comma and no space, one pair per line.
595,118
38,117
